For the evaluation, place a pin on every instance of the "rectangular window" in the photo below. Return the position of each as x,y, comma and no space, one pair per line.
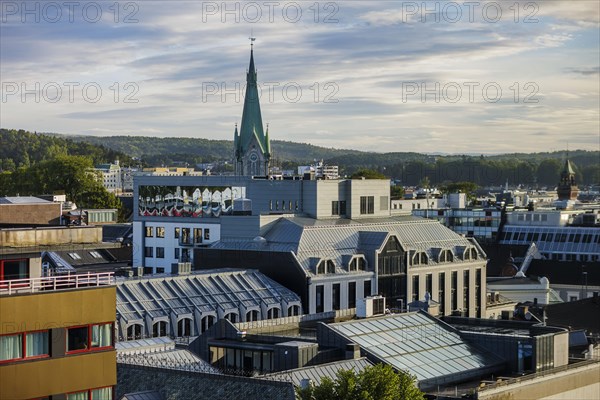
160,232
429,283
89,337
105,393
367,204
335,296
160,252
186,236
207,234
319,298
454,295
149,251
367,288
415,287
351,294
441,291
335,208
177,253
149,231
160,270
14,269
384,203
198,235
466,291
176,232
11,347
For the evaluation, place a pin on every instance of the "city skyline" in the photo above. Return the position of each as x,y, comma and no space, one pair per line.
369,73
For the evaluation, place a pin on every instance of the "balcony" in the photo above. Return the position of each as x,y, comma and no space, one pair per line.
55,283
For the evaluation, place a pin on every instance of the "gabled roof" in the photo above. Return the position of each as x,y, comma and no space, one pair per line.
310,238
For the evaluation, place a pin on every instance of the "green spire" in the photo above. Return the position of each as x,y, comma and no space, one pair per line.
251,125
268,143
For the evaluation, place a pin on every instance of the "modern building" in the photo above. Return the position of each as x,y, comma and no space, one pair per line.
252,148
174,215
56,333
480,223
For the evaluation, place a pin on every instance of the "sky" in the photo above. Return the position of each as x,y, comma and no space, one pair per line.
434,77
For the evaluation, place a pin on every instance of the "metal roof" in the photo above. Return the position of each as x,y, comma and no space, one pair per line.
317,372
207,291
333,239
417,343
147,395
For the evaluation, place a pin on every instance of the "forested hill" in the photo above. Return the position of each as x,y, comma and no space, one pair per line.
538,169
19,148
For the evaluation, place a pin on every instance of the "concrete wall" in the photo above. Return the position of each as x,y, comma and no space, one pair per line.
30,214
50,236
575,383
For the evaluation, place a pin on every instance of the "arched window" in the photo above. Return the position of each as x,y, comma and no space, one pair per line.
252,315
206,322
232,317
330,267
134,332
293,311
184,327
273,313
159,329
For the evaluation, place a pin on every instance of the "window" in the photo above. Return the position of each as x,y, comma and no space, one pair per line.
186,236
252,315
351,294
89,337
95,254
441,291
454,295
14,269
319,299
105,393
160,232
184,327
149,231
428,283
134,332
198,235
367,288
383,203
75,256
160,252
160,270
367,204
293,311
24,345
207,234
176,232
177,253
159,329
335,296
415,287
338,207
149,251
273,313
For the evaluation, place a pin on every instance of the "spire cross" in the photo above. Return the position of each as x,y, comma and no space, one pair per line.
252,38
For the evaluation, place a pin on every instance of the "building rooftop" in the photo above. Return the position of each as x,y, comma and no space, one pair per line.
580,314
213,291
337,239
23,200
421,344
317,372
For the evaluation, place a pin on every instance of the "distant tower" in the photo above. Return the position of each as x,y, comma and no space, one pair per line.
252,148
567,188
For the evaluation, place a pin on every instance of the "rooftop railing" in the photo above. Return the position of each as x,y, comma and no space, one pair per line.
55,283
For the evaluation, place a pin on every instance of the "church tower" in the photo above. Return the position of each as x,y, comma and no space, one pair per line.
567,188
252,148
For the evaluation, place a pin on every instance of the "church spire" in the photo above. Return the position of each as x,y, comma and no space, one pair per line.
252,148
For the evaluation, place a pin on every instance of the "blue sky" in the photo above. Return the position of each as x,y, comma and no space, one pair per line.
450,77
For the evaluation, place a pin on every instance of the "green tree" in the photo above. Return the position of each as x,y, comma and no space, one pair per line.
367,174
378,382
397,192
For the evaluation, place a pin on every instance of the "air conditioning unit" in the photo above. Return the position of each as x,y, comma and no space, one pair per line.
370,306
182,268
